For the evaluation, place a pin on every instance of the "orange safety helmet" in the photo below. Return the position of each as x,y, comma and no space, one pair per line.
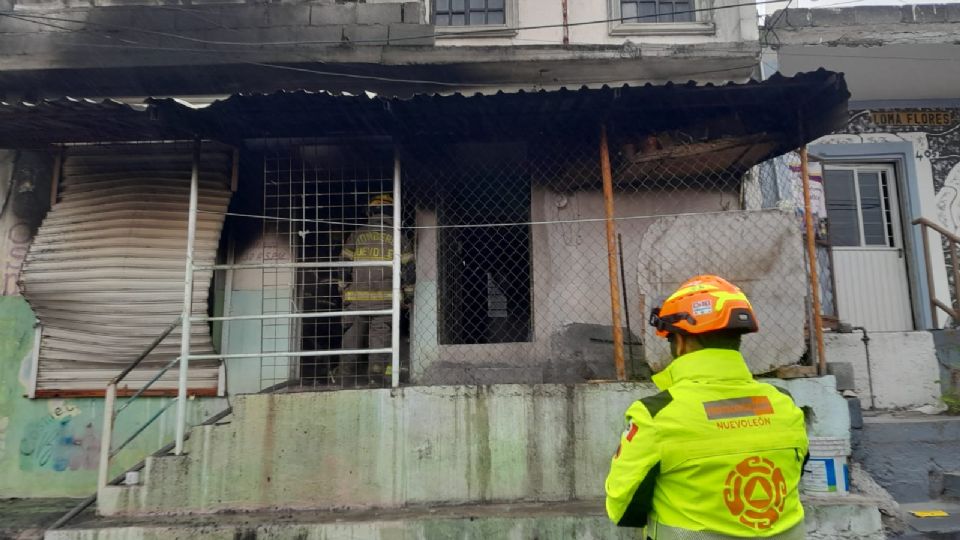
704,304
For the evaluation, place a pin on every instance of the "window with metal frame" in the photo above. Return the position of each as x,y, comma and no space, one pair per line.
656,11
859,203
469,12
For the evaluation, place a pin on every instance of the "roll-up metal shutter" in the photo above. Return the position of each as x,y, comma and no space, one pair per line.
105,272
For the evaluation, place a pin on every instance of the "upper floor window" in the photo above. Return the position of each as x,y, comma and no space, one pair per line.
656,11
661,17
470,12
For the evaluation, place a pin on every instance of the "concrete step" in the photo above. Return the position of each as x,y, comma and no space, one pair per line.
907,451
827,518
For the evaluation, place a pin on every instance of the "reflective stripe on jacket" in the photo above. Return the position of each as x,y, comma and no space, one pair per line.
372,286
715,452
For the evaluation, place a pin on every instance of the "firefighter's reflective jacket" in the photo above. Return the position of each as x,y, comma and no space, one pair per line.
371,286
714,455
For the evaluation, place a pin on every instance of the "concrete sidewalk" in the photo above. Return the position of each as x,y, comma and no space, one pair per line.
23,519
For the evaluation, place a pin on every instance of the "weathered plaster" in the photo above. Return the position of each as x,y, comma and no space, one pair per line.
849,518
903,367
50,447
908,455
412,446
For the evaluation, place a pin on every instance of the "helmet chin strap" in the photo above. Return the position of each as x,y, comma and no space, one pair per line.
667,323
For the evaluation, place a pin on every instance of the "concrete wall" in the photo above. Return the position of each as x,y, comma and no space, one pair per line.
880,73
257,292
373,20
570,290
731,25
376,448
908,455
762,252
948,354
903,366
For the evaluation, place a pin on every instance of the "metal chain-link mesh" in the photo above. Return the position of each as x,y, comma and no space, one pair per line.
506,271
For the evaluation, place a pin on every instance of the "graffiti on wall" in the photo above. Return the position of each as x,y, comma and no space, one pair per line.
940,145
63,439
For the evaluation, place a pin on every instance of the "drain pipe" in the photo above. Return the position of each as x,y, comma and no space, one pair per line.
866,350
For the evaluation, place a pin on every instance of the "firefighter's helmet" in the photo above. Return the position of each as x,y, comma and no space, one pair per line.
705,304
381,199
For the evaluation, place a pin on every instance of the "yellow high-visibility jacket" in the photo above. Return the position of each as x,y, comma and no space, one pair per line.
716,453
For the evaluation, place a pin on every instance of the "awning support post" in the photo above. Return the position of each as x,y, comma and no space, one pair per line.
612,255
817,320
185,322
397,286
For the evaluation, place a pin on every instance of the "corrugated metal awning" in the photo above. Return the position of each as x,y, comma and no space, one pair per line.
790,110
105,271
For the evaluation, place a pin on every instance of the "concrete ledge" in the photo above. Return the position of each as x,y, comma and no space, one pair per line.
893,386
413,446
840,518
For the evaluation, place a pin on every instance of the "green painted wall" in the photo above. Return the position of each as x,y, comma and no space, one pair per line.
50,447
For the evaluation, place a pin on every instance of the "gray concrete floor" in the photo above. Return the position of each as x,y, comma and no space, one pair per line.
22,519
935,528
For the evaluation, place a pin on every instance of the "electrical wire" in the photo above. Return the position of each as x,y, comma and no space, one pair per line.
764,42
376,77
470,226
433,35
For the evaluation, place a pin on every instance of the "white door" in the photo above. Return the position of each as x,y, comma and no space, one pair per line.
867,239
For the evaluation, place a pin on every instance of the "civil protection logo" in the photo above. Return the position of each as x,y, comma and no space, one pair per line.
755,492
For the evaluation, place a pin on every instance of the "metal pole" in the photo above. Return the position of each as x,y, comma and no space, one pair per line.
277,266
227,308
812,262
955,265
626,304
397,261
106,436
287,354
185,322
612,254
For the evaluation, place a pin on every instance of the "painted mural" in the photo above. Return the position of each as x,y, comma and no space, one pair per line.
64,439
938,142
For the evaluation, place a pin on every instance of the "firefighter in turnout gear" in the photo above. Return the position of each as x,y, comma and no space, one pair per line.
369,288
716,454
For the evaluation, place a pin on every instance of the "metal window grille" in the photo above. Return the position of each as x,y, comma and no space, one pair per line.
315,198
469,12
632,11
510,275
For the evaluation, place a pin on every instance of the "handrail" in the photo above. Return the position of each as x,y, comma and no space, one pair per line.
937,227
110,398
954,240
146,352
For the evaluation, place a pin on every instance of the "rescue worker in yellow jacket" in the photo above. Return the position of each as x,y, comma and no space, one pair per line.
370,288
716,454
